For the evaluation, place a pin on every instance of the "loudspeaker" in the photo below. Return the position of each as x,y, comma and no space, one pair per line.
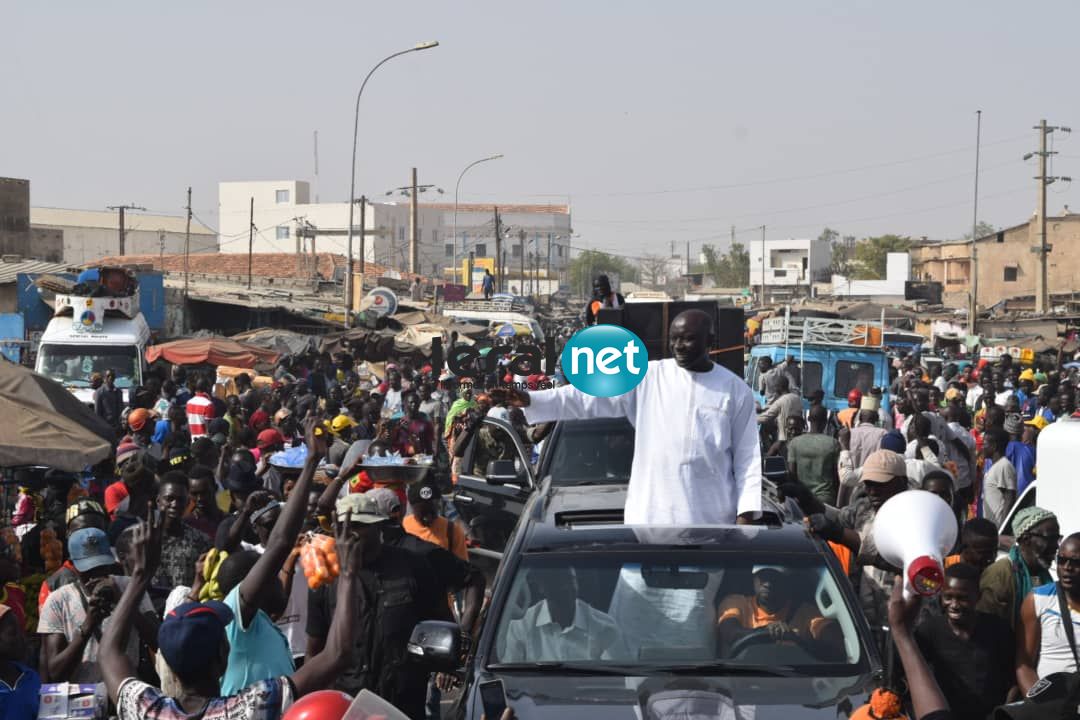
914,530
650,321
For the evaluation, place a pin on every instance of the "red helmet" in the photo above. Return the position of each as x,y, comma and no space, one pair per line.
854,397
319,705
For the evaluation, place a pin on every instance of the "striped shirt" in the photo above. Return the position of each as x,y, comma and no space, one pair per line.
200,410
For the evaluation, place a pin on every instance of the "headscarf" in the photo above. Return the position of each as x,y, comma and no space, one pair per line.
459,406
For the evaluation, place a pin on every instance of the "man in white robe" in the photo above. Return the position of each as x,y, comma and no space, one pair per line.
697,460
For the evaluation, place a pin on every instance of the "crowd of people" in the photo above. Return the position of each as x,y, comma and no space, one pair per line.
172,574
969,435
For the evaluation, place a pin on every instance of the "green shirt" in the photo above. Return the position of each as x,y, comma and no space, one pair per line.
812,457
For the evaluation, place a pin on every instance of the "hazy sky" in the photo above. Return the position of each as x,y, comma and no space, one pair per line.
661,121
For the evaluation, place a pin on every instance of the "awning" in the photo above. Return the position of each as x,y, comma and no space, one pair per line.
211,351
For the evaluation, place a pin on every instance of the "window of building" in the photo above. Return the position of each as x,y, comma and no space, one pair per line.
1001,236
851,376
1011,273
481,250
434,237
779,273
401,234
515,251
281,196
559,249
282,232
448,249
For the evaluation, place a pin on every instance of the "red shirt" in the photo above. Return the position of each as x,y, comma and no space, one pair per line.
199,409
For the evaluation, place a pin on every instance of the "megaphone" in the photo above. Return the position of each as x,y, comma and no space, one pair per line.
914,530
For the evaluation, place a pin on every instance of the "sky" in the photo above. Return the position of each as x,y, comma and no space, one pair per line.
662,123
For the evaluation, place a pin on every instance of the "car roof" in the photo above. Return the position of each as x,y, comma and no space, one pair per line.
789,538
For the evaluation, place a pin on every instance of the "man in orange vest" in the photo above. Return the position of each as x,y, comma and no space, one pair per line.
603,297
847,415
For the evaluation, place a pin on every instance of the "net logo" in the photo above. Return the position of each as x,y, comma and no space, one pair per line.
604,360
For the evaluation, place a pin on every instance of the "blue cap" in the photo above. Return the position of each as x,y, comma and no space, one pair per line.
190,636
894,440
89,548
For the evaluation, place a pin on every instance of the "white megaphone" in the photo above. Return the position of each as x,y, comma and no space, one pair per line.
914,530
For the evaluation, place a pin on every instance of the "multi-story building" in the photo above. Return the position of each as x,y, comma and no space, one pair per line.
287,221
788,267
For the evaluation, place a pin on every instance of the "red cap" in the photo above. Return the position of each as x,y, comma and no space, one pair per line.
269,437
925,575
854,397
319,705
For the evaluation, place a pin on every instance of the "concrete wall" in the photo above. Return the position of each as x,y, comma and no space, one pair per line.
47,244
788,262
15,217
85,245
897,272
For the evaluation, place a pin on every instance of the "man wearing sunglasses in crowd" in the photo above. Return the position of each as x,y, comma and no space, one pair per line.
1045,645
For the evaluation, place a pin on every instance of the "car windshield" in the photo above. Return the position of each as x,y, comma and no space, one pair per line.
592,452
709,611
74,364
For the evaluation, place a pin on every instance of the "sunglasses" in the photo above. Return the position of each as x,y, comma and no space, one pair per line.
1071,562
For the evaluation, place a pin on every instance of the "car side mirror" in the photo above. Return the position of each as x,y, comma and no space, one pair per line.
438,645
502,472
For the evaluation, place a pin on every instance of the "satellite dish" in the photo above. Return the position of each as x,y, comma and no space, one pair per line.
381,301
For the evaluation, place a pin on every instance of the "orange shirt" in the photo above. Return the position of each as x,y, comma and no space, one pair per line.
744,608
438,534
846,417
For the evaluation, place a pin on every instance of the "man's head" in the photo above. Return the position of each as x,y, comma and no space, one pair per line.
139,422
854,398
232,406
772,587
388,503
868,416
86,513
363,519
12,637
202,488
411,403
919,427
978,543
110,377
202,385
264,519
1068,565
342,428
765,364
173,496
393,379
193,642
999,381
270,441
601,287
690,336
884,474
271,597
1038,534
960,594
995,440
922,399
91,554
559,586
794,426
425,499
940,483
986,380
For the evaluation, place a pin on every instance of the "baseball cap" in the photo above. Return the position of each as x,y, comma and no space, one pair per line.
218,431
89,548
138,418
190,635
1038,422
423,492
340,423
1054,696
241,478
1028,374
953,393
882,466
269,437
775,568
358,507
83,506
385,499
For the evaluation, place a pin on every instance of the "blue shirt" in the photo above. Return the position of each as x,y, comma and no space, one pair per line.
1023,459
260,652
21,702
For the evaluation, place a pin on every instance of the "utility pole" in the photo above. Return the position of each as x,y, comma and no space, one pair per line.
547,269
498,252
1042,290
187,256
762,266
161,250
363,250
251,239
123,233
521,246
973,308
413,226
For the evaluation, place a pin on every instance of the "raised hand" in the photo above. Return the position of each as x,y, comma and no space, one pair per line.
315,436
146,546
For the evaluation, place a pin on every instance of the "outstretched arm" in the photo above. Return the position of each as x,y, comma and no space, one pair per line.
283,536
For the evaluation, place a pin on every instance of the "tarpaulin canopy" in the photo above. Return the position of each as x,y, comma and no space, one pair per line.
417,338
211,351
282,341
44,424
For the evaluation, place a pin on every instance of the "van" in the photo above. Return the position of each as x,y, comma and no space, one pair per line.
835,356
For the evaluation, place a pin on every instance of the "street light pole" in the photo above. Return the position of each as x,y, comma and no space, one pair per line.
456,188
352,178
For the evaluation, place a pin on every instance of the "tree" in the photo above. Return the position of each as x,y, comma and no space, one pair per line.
731,270
870,254
591,263
982,229
655,270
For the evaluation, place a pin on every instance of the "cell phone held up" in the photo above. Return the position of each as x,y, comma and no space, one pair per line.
493,698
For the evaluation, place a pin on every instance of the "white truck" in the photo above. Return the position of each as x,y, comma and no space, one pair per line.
94,333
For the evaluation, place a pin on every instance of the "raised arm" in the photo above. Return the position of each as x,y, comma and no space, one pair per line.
569,403
1028,638
283,536
926,696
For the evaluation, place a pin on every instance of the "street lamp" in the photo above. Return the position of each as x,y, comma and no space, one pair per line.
456,188
352,181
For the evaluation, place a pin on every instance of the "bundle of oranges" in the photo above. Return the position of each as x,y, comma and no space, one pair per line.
52,550
318,558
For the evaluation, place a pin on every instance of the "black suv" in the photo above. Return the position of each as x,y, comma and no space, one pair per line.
656,620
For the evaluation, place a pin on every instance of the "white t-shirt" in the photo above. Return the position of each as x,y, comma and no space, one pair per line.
1055,655
293,622
1000,477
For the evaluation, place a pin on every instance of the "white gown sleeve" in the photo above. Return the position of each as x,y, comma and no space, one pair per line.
569,403
745,453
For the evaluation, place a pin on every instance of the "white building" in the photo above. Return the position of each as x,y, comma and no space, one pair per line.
284,208
89,235
788,266
897,273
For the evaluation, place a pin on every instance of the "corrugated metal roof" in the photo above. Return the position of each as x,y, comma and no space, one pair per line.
63,217
8,270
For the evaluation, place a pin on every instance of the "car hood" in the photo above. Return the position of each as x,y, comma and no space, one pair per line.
684,697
